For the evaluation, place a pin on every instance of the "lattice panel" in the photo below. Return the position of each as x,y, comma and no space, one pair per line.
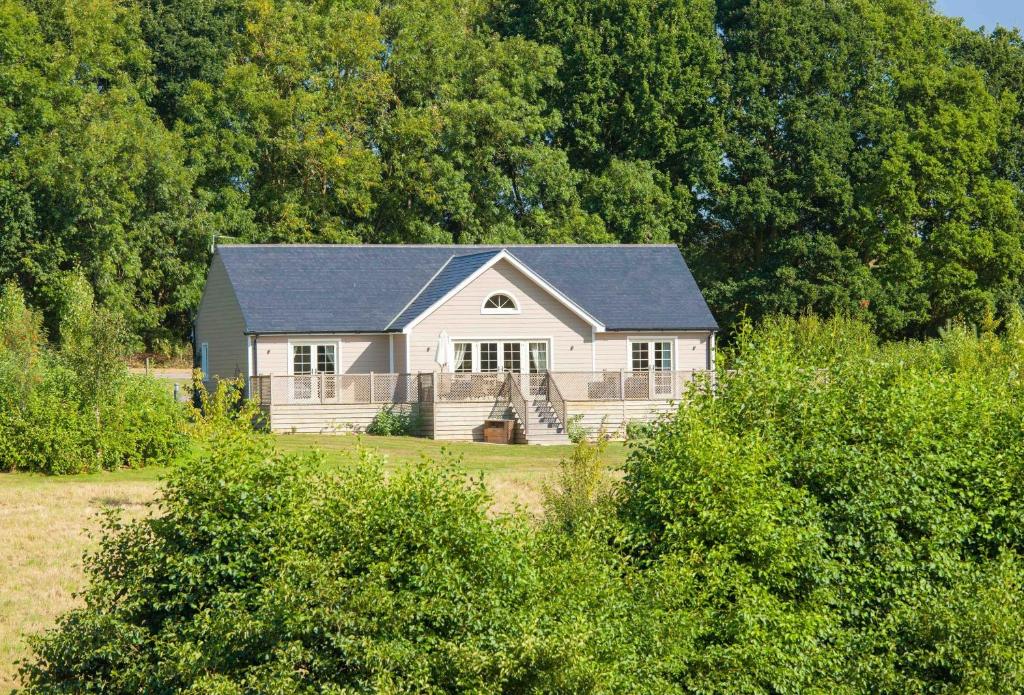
469,387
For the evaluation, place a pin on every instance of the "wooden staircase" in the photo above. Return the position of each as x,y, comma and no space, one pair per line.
543,426
538,423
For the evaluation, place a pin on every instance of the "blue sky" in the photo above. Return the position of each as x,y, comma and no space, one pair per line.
1007,13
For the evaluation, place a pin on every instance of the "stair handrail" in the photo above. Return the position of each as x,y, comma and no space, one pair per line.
518,402
557,401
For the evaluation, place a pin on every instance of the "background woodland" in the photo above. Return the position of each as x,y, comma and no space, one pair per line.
845,156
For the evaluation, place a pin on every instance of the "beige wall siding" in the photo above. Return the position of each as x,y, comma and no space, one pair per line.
691,349
219,324
360,354
399,346
340,419
460,421
541,317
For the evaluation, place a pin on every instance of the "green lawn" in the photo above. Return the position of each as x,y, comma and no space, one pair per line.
46,521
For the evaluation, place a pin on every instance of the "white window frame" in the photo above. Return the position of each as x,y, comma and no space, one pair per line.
204,360
515,304
651,340
313,342
524,353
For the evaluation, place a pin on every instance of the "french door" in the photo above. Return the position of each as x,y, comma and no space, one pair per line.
314,370
654,356
528,359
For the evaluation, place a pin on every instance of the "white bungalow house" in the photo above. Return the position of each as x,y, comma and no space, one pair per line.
328,335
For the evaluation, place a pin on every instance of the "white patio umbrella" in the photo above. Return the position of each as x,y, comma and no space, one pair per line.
443,353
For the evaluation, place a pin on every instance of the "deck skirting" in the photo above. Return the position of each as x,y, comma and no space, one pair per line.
342,419
462,421
614,415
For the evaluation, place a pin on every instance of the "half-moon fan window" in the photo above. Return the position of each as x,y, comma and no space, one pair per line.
500,302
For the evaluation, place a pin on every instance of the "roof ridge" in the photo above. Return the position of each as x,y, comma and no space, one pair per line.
486,252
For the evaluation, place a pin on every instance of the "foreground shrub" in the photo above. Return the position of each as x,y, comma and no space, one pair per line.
261,575
840,516
842,512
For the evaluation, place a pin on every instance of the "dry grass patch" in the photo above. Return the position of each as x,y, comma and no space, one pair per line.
46,524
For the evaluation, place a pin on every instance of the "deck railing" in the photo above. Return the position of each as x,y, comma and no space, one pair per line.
342,389
384,388
557,401
469,387
518,401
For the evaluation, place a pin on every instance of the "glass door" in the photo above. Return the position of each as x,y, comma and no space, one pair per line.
538,367
327,366
650,362
309,362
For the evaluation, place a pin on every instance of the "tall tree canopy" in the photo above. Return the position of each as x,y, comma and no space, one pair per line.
831,155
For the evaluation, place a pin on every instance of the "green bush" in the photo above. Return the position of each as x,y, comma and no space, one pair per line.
390,422
638,429
77,409
838,516
262,575
843,515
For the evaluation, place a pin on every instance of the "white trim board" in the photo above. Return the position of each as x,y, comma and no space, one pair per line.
504,255
292,342
550,341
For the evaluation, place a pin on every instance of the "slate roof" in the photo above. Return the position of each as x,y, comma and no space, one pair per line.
342,288
455,270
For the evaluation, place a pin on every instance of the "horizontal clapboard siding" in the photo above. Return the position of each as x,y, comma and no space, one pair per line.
220,325
359,354
693,349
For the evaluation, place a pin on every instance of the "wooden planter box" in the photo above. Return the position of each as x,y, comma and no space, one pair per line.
499,431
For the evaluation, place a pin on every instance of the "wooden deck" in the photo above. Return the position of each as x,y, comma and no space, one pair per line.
454,406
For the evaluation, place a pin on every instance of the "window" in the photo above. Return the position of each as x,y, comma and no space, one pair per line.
538,357
463,358
499,303
488,357
511,353
204,359
491,356
302,362
651,355
326,356
663,355
641,357
325,363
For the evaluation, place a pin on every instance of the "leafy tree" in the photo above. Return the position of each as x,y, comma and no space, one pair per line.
189,40
91,179
858,169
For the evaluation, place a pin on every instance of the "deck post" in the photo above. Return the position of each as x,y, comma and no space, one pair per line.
371,388
650,384
622,385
